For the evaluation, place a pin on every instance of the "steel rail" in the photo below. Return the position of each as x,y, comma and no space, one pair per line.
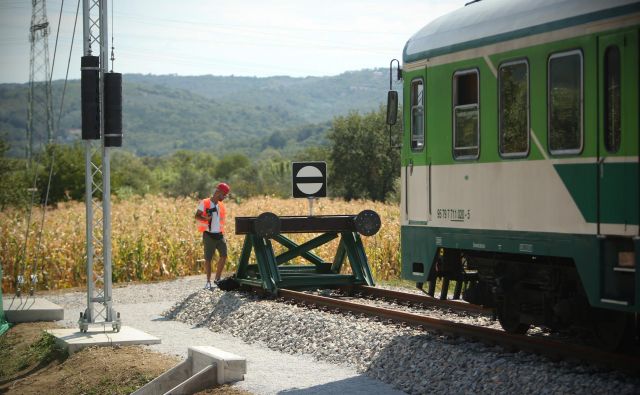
424,300
550,348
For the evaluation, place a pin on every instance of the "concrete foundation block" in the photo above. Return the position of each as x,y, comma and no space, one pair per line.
204,368
73,340
30,309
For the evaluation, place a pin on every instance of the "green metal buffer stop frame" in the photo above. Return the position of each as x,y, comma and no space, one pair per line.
272,272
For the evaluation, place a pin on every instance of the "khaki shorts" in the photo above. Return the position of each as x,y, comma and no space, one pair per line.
211,243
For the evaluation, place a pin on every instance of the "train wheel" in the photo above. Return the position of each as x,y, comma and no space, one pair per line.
612,329
509,317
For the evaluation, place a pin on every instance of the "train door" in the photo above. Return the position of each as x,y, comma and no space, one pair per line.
617,166
617,173
416,170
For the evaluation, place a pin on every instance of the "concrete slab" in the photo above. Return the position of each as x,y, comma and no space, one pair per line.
74,340
230,367
30,309
204,368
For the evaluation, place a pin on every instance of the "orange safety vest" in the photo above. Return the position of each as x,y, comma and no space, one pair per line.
203,224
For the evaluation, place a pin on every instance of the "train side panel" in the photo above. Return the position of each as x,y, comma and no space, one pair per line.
582,206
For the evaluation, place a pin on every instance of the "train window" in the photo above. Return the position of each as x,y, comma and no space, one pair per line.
466,115
513,82
417,114
565,102
612,101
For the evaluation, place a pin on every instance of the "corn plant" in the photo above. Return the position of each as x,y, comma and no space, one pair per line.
155,238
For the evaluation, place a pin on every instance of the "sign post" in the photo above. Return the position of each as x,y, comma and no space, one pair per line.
309,181
311,206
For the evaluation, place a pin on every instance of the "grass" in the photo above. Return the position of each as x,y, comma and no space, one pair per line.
32,363
44,351
397,282
17,355
115,386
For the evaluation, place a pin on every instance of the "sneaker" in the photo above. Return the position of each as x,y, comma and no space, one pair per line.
207,286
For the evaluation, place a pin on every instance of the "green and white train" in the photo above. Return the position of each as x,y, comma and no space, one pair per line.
520,160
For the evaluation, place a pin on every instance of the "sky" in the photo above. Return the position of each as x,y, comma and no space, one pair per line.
243,38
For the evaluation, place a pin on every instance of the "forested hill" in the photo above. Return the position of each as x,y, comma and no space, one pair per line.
212,113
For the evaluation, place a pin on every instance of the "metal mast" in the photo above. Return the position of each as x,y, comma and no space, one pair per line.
97,178
39,115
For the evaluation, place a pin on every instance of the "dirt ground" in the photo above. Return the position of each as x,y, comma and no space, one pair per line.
31,364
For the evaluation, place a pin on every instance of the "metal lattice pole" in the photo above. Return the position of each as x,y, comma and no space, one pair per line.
39,116
98,186
39,113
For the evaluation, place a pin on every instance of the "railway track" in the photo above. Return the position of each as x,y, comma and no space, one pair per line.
553,349
415,299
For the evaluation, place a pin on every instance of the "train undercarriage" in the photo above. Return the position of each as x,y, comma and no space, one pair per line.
528,291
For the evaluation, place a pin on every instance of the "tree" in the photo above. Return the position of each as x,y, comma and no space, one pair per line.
130,176
362,163
67,175
276,140
13,178
313,154
186,173
270,174
230,164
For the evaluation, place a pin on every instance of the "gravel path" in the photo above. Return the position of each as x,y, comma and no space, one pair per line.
268,371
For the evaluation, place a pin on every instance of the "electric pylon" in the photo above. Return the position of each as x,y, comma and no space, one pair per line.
40,114
39,110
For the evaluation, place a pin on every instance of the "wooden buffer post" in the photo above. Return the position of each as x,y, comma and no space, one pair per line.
272,272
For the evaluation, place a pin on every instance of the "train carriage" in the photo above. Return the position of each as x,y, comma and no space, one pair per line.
520,160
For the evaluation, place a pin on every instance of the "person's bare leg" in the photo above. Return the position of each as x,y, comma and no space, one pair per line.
207,269
221,262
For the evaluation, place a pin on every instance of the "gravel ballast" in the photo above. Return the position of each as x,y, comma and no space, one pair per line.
291,348
268,371
413,361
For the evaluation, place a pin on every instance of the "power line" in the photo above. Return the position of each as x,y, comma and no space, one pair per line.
190,24
55,47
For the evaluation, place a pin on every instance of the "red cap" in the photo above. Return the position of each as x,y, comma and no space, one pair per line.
224,188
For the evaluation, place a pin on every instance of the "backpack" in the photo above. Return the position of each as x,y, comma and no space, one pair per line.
228,284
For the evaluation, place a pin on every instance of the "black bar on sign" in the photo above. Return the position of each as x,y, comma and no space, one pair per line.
307,180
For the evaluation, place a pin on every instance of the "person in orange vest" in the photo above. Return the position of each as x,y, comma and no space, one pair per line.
210,216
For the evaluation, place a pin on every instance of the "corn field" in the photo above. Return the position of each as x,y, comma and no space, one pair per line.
155,238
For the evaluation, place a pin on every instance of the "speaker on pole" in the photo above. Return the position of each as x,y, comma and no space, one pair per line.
89,93
112,109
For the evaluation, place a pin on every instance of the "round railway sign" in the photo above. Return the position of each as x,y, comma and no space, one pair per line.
309,179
